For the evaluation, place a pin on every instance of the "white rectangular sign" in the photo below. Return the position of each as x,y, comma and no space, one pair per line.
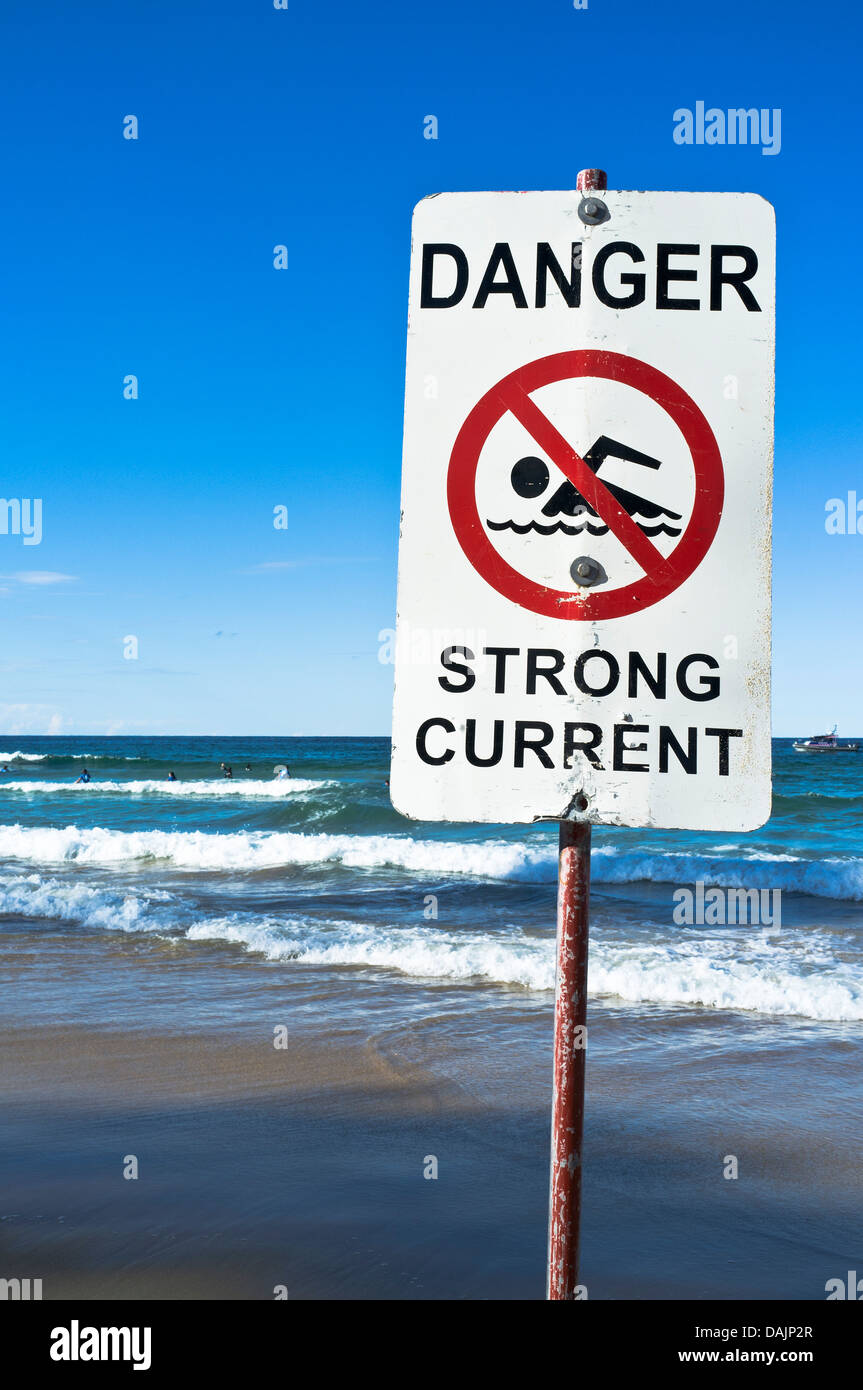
584,565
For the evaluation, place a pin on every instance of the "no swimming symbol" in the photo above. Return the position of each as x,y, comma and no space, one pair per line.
613,507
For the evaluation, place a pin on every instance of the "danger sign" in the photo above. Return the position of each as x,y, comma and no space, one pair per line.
584,604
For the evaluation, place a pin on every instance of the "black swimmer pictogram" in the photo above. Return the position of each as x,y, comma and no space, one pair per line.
530,478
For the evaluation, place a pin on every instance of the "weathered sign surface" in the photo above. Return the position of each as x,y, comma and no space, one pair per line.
584,570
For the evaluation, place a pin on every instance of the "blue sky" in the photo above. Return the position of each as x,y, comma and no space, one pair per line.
257,387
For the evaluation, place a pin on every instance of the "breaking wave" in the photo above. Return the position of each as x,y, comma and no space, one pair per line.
767,977
192,787
516,860
264,849
764,972
54,899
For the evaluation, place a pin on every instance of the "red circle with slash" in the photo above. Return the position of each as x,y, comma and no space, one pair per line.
662,574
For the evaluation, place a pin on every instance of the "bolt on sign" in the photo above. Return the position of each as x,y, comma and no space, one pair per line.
584,566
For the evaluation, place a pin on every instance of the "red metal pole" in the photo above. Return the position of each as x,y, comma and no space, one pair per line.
592,181
570,1041
570,1015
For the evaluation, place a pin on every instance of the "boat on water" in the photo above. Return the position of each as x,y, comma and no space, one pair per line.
825,743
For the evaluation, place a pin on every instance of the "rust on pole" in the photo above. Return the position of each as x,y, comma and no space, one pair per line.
592,180
570,1040
570,1019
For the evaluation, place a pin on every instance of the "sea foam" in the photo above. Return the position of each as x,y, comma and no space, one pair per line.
191,787
768,972
765,974
54,899
516,860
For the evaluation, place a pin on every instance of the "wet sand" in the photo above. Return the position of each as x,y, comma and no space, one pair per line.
257,1168
304,1168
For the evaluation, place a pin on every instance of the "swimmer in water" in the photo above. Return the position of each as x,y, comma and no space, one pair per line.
172,777
85,776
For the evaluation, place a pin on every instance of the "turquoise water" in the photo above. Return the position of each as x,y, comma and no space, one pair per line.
318,872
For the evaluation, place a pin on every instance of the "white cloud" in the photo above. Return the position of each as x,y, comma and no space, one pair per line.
29,719
273,566
40,577
269,565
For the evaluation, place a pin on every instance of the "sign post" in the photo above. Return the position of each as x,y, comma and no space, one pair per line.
570,1028
583,631
570,1045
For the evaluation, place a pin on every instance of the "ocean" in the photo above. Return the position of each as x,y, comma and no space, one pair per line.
132,905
